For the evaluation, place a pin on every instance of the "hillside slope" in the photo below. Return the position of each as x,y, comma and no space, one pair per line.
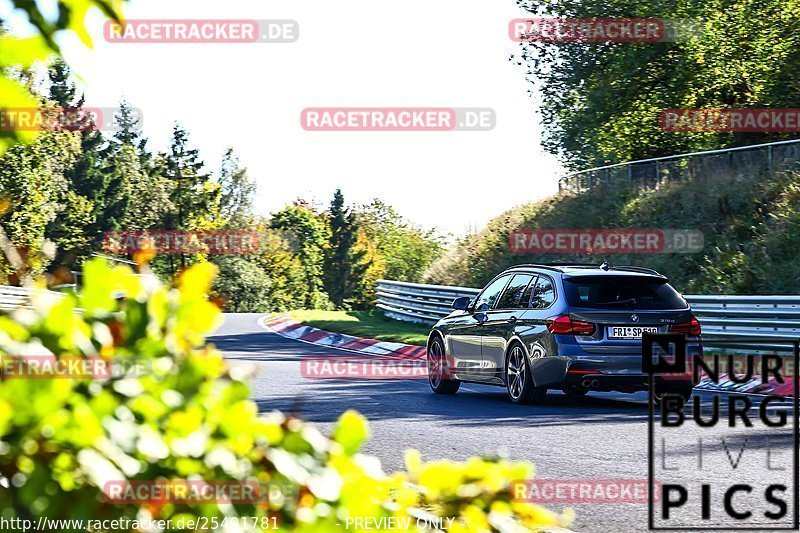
750,222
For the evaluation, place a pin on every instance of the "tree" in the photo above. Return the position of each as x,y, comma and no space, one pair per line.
307,234
62,89
195,196
601,102
243,284
406,249
148,195
237,191
90,183
128,125
33,188
344,265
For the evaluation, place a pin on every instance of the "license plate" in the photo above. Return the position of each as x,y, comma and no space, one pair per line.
631,332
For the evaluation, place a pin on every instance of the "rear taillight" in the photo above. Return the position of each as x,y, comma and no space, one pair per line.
690,328
564,325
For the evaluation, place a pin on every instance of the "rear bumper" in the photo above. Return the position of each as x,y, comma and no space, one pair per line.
623,363
623,383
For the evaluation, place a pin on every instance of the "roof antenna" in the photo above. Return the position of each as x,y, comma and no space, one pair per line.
605,266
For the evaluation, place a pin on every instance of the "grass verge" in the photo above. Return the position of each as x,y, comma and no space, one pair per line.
369,324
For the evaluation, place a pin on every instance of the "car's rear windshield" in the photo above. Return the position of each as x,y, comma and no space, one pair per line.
621,292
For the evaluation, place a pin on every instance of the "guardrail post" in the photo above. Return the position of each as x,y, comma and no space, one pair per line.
769,158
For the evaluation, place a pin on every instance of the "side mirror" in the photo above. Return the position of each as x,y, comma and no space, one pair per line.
480,313
461,303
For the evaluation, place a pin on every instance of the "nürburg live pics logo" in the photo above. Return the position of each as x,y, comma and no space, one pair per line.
727,458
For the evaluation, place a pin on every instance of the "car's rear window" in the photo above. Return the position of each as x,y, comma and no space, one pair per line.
621,292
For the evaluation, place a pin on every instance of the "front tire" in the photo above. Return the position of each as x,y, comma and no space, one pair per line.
519,382
439,370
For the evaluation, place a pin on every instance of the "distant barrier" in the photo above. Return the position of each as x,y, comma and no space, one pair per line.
760,318
650,173
15,297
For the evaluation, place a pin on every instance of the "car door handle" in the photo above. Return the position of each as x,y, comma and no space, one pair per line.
512,319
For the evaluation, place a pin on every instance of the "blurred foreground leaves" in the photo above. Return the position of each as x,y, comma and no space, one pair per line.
18,54
175,410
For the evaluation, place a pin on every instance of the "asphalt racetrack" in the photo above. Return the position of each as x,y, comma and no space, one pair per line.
599,436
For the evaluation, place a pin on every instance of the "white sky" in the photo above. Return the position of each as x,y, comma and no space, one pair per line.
356,53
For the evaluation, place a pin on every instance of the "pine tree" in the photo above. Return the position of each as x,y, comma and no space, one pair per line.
62,89
128,125
343,265
195,197
88,182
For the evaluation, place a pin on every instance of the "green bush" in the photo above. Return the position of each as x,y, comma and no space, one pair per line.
189,417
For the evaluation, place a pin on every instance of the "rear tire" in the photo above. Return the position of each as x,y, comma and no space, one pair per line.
519,382
439,369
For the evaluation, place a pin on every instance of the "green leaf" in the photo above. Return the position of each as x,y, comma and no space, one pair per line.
351,431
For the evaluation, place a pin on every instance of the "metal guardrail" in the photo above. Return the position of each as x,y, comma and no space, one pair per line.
416,302
771,318
15,297
650,173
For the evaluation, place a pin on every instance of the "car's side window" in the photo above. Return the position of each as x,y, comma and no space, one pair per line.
492,292
511,296
543,294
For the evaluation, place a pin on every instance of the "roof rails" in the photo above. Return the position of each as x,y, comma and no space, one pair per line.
549,266
644,270
557,266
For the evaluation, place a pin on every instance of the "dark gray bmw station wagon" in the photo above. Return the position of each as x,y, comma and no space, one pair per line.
575,328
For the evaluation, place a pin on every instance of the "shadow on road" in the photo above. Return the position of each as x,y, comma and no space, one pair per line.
325,400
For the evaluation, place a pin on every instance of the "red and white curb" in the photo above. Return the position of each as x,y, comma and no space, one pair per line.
287,327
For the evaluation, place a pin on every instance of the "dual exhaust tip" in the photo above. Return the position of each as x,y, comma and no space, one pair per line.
590,383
